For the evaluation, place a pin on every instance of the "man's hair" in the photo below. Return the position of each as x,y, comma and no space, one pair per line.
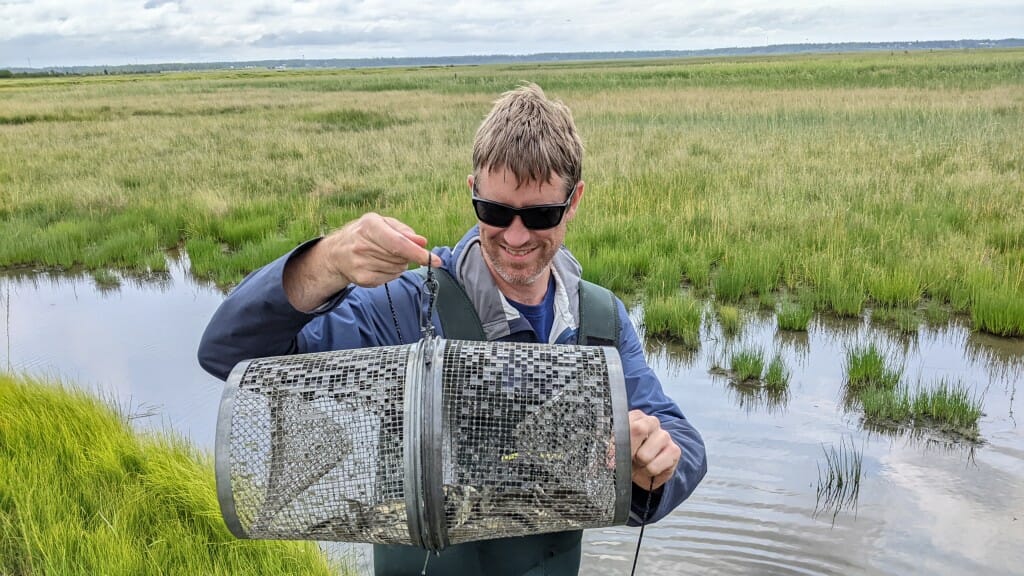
531,136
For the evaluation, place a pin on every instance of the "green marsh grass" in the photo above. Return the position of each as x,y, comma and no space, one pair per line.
674,317
81,493
747,364
776,378
868,179
665,279
729,318
950,406
794,316
904,319
877,386
886,406
947,407
999,312
936,314
867,368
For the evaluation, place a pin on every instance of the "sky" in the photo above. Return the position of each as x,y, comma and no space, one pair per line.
44,33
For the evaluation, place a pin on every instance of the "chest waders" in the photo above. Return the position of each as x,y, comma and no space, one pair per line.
550,554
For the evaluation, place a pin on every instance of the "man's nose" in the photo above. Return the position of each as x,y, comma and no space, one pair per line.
517,234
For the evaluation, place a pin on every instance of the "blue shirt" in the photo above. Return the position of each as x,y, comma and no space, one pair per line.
541,316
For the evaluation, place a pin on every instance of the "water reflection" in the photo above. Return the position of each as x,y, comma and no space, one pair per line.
923,439
751,398
794,345
675,357
136,343
839,476
764,461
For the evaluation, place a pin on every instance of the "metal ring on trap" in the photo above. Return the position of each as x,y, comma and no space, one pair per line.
428,444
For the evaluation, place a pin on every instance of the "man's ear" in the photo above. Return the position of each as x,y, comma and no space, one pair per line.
470,180
575,201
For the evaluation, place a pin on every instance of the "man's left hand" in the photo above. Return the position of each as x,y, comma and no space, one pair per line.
655,454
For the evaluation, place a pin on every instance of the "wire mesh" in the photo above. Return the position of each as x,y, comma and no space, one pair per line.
492,440
531,440
315,447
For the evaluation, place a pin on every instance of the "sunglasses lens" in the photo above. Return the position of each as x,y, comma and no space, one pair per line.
542,217
493,214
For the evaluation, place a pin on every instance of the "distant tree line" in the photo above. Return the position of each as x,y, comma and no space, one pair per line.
774,49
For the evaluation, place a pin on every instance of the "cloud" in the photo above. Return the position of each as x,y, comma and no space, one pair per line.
151,4
316,38
67,32
268,11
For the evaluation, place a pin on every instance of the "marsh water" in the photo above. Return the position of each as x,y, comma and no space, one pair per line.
927,504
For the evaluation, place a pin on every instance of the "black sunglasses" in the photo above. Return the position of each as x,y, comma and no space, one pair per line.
540,217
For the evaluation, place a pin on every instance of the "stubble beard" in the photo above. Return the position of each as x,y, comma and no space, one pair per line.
511,276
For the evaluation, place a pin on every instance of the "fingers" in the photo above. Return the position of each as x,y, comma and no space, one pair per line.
657,459
640,427
413,248
375,249
655,454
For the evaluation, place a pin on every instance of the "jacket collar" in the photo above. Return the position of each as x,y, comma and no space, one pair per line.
498,316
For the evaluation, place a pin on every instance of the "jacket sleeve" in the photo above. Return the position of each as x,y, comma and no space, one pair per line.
646,394
255,320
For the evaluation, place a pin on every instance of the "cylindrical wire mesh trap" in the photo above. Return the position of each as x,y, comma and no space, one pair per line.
428,444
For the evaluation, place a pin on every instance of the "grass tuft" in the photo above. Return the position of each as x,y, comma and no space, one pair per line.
886,406
794,316
776,379
82,494
948,407
674,317
729,318
887,402
1000,313
747,364
867,368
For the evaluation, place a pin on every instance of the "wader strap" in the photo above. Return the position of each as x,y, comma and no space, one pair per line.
459,320
599,316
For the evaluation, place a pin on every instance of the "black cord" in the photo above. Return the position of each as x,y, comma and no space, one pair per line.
426,318
643,522
394,316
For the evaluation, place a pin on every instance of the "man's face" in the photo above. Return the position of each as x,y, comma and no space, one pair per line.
517,256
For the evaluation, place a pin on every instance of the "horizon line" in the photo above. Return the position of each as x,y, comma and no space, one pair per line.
525,55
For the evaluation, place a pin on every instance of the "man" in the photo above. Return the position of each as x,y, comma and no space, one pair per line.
352,289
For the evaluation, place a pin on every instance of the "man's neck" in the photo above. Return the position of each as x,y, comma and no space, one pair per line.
530,294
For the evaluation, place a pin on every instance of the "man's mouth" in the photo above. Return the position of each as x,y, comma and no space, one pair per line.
520,253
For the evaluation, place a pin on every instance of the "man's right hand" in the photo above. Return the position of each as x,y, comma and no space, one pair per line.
367,252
